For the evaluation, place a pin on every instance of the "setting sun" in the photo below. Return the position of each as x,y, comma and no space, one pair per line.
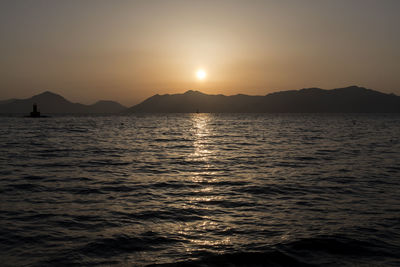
201,74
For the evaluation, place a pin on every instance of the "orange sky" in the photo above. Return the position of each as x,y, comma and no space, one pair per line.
129,50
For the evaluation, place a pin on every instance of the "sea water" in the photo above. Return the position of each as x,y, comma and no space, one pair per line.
200,189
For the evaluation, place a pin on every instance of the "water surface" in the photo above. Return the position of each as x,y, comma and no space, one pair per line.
200,188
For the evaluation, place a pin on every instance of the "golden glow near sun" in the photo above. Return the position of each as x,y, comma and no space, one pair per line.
201,74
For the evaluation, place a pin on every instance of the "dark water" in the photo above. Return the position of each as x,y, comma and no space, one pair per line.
200,189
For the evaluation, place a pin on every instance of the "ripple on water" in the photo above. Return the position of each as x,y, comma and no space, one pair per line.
200,190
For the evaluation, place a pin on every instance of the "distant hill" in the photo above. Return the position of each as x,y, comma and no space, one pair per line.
351,99
6,101
50,103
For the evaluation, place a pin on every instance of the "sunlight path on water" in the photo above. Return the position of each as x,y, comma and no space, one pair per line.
162,188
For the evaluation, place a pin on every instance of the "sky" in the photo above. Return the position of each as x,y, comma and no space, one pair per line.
130,50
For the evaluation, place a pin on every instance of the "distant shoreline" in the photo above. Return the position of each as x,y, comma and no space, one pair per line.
352,99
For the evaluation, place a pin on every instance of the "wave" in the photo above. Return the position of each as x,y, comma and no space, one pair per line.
315,251
270,258
102,250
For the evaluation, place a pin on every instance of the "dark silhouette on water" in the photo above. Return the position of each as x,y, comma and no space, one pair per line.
35,112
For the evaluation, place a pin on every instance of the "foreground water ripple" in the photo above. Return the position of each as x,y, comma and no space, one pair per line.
200,189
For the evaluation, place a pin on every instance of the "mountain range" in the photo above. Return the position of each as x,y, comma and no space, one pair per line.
51,103
351,99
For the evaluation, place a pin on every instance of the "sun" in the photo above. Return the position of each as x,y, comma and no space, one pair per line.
201,74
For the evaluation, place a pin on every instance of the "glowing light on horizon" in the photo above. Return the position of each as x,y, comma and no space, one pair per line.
201,74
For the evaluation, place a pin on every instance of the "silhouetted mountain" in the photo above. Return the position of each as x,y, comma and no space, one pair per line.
50,103
351,99
109,106
2,102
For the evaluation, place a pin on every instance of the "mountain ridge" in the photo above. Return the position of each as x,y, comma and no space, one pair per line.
351,99
52,103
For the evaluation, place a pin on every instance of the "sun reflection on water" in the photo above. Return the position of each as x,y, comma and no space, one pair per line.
206,194
201,133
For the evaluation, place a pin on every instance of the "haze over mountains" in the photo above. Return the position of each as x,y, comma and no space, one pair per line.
351,99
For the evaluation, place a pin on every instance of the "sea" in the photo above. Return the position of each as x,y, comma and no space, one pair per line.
200,190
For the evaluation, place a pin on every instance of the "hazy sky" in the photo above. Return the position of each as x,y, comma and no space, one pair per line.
130,50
